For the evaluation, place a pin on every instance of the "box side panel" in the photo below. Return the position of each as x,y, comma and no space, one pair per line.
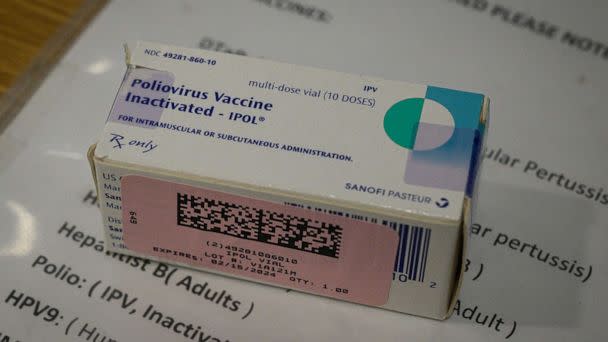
470,202
423,269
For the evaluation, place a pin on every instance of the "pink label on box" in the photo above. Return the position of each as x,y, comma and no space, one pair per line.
274,243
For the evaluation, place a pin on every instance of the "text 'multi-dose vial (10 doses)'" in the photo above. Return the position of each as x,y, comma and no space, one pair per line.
350,187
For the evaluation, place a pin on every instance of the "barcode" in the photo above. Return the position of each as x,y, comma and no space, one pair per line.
414,242
261,225
334,212
413,250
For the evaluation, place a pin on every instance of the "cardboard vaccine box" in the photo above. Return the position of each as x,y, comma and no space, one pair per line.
350,187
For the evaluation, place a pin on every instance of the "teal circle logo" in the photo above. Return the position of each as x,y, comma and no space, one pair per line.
419,124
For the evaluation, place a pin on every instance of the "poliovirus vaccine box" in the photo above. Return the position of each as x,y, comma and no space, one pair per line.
350,187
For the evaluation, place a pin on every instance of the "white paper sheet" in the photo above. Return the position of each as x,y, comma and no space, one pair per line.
547,112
